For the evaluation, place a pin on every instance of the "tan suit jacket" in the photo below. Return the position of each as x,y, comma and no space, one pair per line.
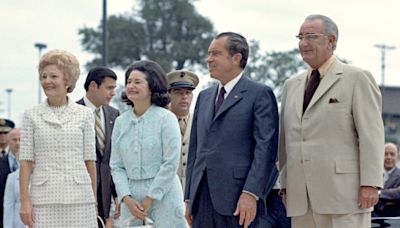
336,146
185,151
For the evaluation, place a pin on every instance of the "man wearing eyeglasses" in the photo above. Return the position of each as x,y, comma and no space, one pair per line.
331,136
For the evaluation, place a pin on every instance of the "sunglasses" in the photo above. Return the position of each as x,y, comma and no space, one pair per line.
3,132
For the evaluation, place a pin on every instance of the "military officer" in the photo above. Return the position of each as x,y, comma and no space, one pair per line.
181,84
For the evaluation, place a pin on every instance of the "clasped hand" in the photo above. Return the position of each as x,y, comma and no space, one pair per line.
139,209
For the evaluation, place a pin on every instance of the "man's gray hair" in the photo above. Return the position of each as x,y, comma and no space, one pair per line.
330,27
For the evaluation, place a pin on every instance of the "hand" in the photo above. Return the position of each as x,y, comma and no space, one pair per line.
136,209
108,222
26,213
367,197
246,208
117,211
284,197
188,215
146,203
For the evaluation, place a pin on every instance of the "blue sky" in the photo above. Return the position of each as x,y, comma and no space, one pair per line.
362,23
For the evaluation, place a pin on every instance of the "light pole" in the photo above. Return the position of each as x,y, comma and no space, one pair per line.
9,91
105,35
40,47
383,48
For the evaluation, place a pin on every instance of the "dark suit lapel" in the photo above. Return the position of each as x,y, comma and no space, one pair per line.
107,124
234,96
209,98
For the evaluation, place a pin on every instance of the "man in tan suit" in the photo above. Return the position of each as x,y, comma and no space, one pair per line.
332,136
181,86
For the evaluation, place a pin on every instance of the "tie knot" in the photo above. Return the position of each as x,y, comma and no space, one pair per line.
315,74
222,90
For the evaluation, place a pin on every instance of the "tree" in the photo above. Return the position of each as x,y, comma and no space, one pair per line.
170,32
273,68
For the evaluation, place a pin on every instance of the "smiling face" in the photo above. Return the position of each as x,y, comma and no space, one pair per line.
53,82
137,87
315,46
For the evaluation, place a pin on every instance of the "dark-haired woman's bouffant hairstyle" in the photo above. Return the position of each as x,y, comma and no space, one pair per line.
155,77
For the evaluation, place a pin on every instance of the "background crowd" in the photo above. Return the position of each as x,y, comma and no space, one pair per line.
217,167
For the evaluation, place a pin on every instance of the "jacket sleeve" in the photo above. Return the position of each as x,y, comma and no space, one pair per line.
10,201
89,138
27,142
367,116
118,170
265,134
171,147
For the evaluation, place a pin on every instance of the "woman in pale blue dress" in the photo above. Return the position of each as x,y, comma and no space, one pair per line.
146,144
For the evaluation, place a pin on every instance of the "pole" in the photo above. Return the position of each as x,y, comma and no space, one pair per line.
9,91
105,32
40,47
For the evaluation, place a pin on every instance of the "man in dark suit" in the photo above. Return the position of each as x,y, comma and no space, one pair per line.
389,197
5,127
100,87
233,143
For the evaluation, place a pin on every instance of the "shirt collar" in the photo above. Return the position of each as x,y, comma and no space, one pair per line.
391,170
323,69
229,86
90,105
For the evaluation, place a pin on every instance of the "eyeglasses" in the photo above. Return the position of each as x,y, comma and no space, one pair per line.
309,36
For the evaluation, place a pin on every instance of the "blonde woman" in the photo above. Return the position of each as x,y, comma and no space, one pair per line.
58,136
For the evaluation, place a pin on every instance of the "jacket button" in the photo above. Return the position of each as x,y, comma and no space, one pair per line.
184,163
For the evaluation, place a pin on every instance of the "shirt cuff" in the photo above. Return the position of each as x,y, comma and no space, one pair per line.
256,197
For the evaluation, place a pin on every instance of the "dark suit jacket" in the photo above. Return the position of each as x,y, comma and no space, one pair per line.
237,146
4,171
389,199
104,179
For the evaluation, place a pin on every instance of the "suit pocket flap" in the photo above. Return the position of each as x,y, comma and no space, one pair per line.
347,167
82,178
240,173
39,179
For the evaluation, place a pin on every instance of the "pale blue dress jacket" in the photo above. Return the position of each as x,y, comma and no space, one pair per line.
12,202
144,161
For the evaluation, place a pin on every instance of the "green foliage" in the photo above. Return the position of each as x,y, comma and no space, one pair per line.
170,32
273,68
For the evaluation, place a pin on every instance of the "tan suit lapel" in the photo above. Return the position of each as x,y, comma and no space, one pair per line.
327,82
300,93
186,136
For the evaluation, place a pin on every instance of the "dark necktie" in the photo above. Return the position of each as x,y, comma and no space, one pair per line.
3,152
220,99
311,87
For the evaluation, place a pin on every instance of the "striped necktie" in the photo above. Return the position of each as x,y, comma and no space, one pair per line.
99,132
